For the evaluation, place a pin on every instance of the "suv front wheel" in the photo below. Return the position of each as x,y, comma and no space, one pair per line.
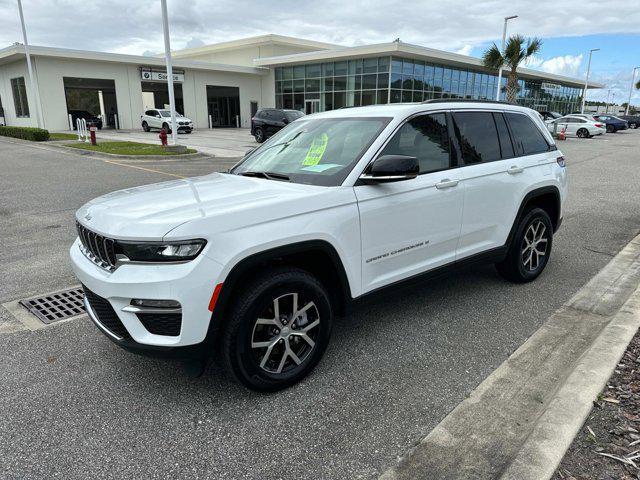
530,248
277,330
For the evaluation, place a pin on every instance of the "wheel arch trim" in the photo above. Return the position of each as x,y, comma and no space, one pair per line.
249,262
532,195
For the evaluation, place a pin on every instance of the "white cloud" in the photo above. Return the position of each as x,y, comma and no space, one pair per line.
135,26
466,50
568,65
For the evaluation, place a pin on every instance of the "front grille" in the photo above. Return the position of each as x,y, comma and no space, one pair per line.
162,323
105,314
100,250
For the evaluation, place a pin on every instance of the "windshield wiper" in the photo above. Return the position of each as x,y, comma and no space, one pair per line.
286,144
267,175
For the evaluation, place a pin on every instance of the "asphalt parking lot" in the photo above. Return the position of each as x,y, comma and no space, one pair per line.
76,406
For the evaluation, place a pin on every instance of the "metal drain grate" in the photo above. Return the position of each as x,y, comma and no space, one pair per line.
56,306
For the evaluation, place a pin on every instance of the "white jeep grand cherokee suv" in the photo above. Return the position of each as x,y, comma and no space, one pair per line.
253,264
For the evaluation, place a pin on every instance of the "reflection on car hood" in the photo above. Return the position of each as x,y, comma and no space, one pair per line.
151,211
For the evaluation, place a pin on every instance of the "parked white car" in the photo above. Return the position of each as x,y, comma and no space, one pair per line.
253,264
576,126
161,119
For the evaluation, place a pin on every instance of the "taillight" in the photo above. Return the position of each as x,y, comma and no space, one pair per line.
560,161
599,125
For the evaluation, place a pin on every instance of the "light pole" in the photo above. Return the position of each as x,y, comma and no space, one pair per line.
32,81
586,81
633,79
504,39
606,104
167,55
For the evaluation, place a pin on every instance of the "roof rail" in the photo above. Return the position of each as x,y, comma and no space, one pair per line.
465,100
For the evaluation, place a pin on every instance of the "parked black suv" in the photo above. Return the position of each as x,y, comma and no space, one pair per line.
632,120
268,121
92,120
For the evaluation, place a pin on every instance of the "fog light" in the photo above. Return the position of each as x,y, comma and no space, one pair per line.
155,303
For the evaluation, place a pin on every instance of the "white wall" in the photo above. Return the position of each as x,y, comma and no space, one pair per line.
7,72
51,70
246,55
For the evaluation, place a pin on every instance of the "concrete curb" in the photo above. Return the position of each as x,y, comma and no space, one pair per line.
113,156
59,145
556,428
518,423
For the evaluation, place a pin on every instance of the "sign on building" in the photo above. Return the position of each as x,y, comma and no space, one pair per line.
551,87
157,76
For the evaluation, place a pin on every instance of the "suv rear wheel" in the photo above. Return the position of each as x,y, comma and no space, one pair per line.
145,126
277,330
530,248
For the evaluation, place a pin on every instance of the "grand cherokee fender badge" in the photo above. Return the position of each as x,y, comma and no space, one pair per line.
397,252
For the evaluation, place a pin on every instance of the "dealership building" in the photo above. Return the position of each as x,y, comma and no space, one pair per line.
222,85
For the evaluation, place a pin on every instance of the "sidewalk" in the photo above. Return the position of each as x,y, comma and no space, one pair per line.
519,422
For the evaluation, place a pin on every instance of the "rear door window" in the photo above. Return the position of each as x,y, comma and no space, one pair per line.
527,138
478,137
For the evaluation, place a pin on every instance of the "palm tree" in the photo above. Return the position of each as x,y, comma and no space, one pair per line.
518,49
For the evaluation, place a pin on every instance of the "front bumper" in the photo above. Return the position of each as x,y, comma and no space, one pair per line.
191,283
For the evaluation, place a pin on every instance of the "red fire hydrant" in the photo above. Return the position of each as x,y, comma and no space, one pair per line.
92,135
163,137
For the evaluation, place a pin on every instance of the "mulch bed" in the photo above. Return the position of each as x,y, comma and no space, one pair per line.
608,445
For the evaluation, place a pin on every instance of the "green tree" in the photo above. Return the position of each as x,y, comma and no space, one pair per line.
517,51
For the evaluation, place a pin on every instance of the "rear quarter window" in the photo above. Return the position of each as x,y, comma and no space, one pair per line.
527,138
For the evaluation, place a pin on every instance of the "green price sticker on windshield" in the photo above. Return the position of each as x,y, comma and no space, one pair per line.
316,150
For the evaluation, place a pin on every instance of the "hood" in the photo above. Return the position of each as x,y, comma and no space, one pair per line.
151,211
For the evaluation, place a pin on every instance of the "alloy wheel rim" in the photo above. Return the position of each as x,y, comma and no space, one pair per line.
534,245
285,334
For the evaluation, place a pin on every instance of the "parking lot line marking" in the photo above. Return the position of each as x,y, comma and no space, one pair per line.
145,169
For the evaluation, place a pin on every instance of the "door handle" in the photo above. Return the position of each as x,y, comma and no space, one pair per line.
515,169
446,183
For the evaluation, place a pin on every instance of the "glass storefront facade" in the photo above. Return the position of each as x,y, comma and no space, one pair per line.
379,80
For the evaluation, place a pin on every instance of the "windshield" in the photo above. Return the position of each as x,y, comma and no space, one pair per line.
167,113
318,151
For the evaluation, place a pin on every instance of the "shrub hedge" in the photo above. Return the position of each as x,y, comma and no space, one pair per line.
25,133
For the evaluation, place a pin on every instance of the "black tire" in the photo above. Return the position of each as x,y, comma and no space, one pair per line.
518,264
583,133
245,363
611,129
165,127
145,127
259,135
633,125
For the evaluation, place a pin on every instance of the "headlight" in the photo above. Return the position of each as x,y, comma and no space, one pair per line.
161,251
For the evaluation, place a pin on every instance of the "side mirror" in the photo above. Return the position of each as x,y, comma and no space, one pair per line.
391,168
285,120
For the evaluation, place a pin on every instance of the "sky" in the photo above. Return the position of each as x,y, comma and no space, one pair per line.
568,30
